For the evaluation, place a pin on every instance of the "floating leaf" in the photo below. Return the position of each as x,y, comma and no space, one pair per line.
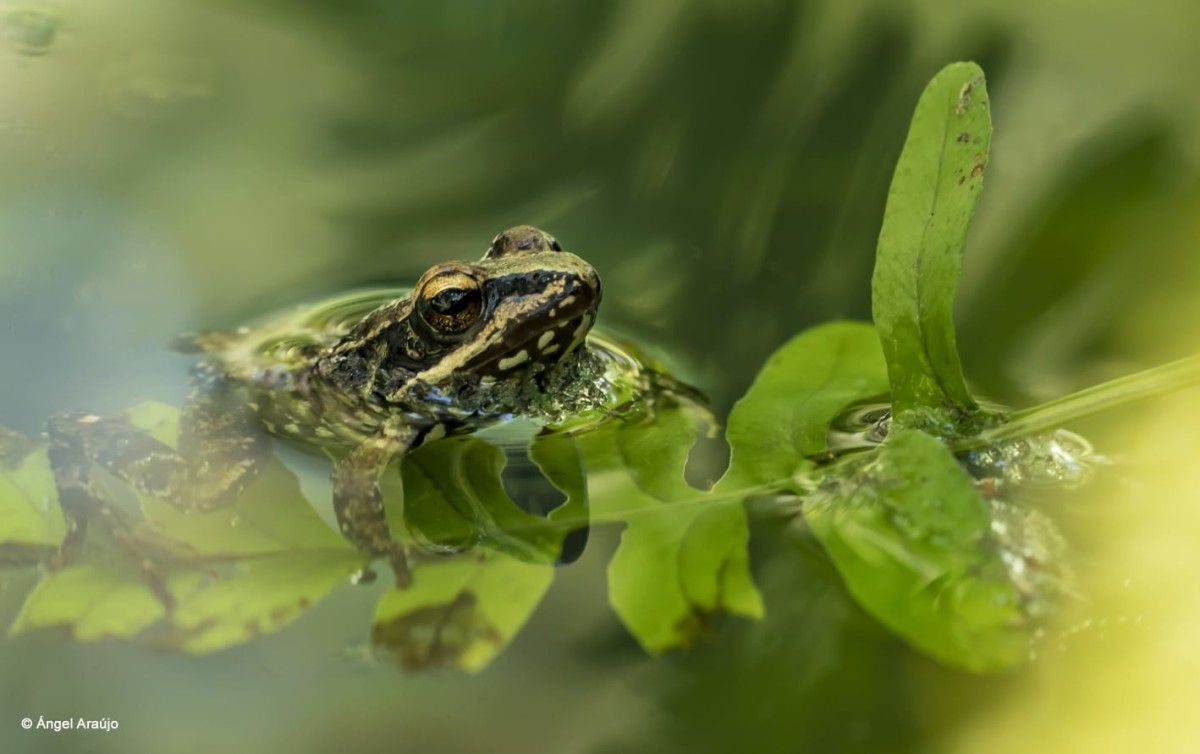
680,563
912,537
31,523
785,415
459,612
932,198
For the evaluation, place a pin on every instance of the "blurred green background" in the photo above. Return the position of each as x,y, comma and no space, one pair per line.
178,165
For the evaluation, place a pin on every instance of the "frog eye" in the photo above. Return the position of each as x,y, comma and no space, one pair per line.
450,301
522,239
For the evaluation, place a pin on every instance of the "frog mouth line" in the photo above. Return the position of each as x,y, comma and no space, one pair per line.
545,344
546,334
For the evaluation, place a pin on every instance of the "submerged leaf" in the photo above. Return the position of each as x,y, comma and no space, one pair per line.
932,198
558,457
913,539
30,520
459,612
805,384
270,516
261,597
454,498
97,600
654,443
682,557
678,566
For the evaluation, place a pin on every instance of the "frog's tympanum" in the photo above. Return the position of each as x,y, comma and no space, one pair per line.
471,344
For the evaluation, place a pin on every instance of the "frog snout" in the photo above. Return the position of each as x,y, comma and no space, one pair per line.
585,286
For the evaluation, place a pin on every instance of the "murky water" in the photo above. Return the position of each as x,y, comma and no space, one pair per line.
187,166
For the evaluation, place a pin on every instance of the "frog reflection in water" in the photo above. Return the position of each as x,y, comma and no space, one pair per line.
464,349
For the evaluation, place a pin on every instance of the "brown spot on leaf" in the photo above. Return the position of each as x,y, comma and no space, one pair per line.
964,137
977,171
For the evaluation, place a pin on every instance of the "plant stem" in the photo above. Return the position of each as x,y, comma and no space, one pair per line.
1053,414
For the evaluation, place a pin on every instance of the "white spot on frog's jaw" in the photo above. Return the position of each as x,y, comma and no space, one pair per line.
544,340
585,324
89,419
520,357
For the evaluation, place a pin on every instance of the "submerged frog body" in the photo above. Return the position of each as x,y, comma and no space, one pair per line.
472,343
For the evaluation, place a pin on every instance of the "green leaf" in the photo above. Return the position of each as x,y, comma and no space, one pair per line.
454,497
682,557
676,566
271,515
97,600
263,596
560,460
804,385
912,538
918,263
30,520
459,612
654,442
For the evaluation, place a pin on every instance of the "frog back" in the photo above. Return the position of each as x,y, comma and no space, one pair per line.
286,342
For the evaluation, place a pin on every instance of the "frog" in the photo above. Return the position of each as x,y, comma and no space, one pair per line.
466,348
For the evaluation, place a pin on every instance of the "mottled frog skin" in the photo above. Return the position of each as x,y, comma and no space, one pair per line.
460,351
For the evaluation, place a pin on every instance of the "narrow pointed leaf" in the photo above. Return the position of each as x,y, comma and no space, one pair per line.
918,263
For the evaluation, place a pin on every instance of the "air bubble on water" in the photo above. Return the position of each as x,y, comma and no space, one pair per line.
1059,458
153,85
30,31
1032,551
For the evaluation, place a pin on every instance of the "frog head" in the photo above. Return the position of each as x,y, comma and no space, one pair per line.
518,311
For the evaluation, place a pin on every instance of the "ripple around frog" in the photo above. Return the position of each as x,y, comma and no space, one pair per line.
626,377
